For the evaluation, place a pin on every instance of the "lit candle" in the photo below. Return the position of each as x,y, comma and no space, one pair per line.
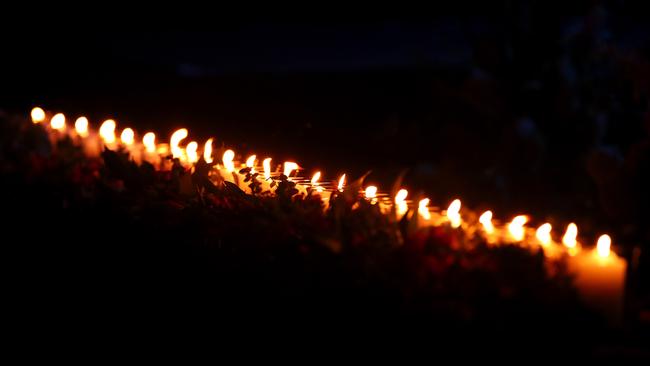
400,203
38,115
600,279
107,133
453,213
570,239
516,227
423,209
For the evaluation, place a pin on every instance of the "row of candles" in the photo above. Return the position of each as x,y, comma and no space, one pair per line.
599,273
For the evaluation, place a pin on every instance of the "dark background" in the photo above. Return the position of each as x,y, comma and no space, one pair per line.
522,107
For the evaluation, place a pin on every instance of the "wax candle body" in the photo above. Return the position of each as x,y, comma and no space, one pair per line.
600,283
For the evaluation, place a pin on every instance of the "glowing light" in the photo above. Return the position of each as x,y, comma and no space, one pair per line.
453,213
341,183
127,136
227,159
569,238
516,227
190,150
149,142
486,220
603,246
315,178
107,131
81,126
58,122
250,163
207,151
543,234
289,166
38,115
371,192
175,140
400,201
267,168
423,208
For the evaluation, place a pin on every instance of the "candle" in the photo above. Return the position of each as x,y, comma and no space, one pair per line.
600,278
453,213
38,115
400,203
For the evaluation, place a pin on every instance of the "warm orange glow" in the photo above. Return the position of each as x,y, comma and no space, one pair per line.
603,246
371,192
227,159
127,136
423,208
486,220
569,238
107,131
58,122
516,227
191,151
341,183
543,234
207,151
250,163
38,115
149,142
289,166
175,140
267,168
315,178
400,201
81,126
453,213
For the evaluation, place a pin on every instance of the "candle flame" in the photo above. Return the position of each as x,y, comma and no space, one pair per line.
250,162
149,142
81,126
486,220
177,137
453,213
315,178
543,234
569,238
400,201
423,208
289,166
127,136
516,227
371,192
341,183
603,246
38,115
192,155
267,168
207,151
58,122
107,131
227,159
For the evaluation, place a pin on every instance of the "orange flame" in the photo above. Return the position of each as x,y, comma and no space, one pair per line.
371,192
603,246
289,166
192,155
341,183
81,126
127,136
486,220
423,208
267,168
250,163
38,115
543,234
227,159
207,151
107,131
516,227
58,122
453,213
175,140
149,142
569,238
315,178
